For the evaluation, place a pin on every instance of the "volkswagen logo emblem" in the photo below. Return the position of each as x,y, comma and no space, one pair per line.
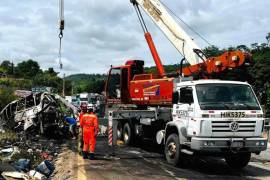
234,126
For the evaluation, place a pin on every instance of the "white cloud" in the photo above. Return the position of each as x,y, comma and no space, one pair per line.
99,33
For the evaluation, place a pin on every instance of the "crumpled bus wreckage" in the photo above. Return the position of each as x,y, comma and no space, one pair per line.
34,112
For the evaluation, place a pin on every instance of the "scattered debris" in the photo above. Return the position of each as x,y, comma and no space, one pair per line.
28,152
45,168
22,93
36,175
22,165
16,175
8,150
8,153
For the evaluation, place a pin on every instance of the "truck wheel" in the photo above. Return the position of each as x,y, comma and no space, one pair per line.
127,134
172,149
237,160
119,131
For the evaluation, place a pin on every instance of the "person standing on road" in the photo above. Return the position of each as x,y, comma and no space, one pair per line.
83,111
90,132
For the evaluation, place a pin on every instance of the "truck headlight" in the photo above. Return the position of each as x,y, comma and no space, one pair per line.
209,143
260,143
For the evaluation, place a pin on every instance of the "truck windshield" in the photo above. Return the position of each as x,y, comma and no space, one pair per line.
226,97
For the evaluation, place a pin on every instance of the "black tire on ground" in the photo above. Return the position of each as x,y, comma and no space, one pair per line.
238,160
127,134
119,130
172,150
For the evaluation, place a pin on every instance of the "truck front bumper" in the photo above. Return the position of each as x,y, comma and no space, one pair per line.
254,145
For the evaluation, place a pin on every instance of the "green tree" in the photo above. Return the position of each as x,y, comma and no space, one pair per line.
7,66
212,51
243,48
5,97
264,46
48,78
260,73
27,69
51,72
255,47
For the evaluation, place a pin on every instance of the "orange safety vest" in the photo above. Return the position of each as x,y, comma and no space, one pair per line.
89,125
90,130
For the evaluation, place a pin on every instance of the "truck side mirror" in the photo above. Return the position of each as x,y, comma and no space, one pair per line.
175,98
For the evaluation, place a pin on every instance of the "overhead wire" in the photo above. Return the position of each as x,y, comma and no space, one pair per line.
185,23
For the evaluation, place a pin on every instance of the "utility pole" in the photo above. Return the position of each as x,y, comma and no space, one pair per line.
72,88
268,38
64,85
12,68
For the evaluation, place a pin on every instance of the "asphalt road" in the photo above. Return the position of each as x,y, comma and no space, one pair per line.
147,162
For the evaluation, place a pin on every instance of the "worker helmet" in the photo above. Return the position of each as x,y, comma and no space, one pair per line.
90,109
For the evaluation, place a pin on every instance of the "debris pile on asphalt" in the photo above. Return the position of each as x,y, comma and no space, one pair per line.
27,157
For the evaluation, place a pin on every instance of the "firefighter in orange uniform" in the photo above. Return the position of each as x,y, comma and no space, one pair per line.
90,131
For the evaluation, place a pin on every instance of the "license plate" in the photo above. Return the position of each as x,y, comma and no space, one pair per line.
233,114
237,144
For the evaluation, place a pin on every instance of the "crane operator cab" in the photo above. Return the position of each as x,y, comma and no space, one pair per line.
118,81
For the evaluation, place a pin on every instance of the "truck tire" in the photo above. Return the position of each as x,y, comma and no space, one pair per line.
238,160
127,134
172,150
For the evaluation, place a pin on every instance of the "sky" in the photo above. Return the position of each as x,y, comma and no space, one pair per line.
101,33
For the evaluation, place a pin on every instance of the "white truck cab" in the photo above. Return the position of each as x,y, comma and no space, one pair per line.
214,116
84,98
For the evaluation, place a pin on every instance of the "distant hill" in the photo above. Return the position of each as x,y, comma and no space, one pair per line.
168,68
87,82
85,77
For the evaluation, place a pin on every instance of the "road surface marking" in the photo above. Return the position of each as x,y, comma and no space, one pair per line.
81,174
259,166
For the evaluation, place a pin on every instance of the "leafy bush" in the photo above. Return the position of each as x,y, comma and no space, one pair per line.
5,97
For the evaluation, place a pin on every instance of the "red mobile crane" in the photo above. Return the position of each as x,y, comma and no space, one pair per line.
134,86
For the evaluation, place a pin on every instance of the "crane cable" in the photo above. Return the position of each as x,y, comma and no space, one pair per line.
186,24
61,28
140,17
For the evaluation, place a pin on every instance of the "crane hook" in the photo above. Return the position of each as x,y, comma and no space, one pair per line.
61,28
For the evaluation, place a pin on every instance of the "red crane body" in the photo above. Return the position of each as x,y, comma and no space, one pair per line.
129,84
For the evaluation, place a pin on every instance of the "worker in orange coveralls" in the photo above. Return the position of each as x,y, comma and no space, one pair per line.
83,111
90,132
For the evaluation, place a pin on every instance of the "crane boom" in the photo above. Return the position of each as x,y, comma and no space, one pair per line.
177,36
